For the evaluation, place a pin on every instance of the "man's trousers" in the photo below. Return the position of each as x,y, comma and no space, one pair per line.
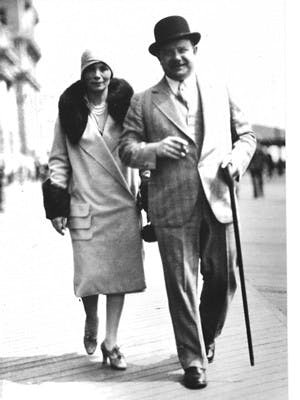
180,248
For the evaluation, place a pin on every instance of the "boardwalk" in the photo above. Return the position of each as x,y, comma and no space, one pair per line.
42,355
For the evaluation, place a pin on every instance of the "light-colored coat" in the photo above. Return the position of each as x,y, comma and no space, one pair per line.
174,185
104,223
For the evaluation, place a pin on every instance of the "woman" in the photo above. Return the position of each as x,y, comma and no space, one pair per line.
93,194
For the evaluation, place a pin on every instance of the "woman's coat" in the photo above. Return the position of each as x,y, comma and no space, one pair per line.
104,222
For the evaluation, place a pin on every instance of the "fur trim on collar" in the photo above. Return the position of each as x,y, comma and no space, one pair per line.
73,110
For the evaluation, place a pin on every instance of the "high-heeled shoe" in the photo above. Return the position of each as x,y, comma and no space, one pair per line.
116,358
90,336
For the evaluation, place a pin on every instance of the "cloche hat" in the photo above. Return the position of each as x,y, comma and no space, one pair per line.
90,57
172,28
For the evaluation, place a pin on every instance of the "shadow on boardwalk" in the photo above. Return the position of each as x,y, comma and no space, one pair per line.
80,368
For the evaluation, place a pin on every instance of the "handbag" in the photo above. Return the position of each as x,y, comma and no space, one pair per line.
148,232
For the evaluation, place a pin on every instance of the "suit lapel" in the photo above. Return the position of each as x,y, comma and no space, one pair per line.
101,149
210,99
164,99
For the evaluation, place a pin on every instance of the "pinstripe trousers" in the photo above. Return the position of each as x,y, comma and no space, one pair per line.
198,318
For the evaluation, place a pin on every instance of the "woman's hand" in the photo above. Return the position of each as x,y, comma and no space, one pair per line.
59,224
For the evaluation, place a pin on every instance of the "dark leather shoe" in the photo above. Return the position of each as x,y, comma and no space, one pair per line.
210,352
194,378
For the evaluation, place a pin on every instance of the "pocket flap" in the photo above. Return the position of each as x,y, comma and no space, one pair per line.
79,209
79,222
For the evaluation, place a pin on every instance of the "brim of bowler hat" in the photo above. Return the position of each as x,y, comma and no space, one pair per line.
194,36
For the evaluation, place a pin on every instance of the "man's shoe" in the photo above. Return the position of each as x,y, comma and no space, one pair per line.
210,352
194,378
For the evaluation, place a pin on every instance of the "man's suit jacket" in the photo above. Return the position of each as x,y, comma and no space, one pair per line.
174,184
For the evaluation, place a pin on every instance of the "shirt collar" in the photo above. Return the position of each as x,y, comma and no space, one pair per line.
189,82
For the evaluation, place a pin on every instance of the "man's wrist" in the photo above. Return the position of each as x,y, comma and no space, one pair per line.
148,155
154,147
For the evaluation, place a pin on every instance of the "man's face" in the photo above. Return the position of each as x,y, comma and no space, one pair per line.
177,58
97,77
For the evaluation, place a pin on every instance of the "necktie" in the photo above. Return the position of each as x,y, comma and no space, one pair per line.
181,94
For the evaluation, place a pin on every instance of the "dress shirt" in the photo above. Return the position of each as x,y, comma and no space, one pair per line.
190,93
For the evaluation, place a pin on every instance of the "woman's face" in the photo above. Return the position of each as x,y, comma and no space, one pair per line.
97,77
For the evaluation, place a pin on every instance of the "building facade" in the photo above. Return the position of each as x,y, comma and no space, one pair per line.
19,89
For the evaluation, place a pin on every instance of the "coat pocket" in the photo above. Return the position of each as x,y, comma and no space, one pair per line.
80,221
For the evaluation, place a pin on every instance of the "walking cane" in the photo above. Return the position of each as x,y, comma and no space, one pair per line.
230,183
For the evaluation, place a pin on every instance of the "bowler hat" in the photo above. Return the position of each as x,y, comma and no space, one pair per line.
172,28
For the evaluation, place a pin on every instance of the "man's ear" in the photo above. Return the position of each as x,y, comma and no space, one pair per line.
195,50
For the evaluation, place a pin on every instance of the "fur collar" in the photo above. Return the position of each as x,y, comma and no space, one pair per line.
73,110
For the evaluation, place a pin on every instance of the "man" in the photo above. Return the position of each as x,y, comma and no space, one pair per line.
256,169
2,177
185,139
